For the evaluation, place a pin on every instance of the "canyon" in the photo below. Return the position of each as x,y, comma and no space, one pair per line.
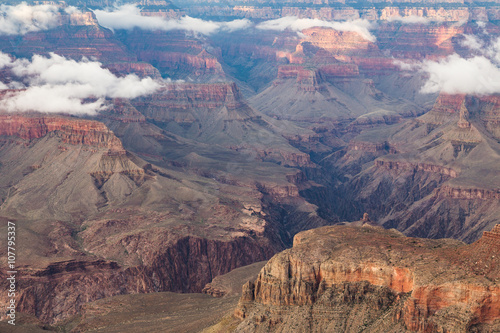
254,143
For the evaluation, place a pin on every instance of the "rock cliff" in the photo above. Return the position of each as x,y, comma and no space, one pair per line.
78,35
71,130
175,53
346,279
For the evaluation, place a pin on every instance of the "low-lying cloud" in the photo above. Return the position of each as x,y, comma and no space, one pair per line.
129,16
55,84
362,27
477,74
472,42
413,19
456,75
22,18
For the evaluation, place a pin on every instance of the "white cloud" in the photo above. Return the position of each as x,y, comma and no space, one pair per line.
362,27
21,19
472,42
56,84
72,10
129,17
413,19
407,65
476,75
53,99
236,25
454,75
493,50
4,60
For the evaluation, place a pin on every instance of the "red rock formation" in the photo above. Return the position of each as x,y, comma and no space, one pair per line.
482,303
79,18
447,103
77,35
431,9
279,191
71,130
173,51
339,70
375,65
426,167
468,193
200,63
418,41
434,288
300,73
488,110
308,79
441,14
291,158
491,237
124,112
339,42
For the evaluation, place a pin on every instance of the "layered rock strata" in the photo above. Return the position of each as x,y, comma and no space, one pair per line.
71,130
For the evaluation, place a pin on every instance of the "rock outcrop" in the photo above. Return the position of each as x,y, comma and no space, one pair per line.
78,35
71,130
174,53
185,96
367,278
425,167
